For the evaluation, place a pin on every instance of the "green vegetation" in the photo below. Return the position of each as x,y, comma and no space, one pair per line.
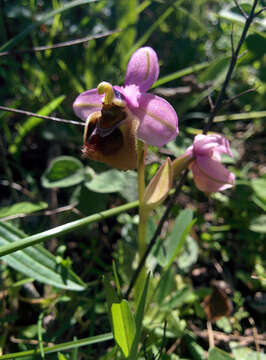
75,221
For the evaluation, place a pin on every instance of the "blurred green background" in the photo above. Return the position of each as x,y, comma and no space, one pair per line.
193,40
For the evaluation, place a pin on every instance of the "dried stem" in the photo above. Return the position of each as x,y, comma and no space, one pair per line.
260,11
240,9
28,113
59,45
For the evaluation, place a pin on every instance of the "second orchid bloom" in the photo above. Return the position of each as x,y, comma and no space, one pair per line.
204,160
116,116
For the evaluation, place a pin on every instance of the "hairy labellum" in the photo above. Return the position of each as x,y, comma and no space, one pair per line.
110,136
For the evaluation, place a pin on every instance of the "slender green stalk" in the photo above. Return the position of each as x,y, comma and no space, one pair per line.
178,74
142,148
59,347
241,116
64,229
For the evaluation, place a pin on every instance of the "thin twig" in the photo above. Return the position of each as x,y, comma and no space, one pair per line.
210,102
28,113
210,334
260,11
59,45
231,69
18,187
156,234
243,54
227,102
232,40
255,333
240,9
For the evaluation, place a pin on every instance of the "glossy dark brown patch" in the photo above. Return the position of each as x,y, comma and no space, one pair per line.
217,304
107,145
111,115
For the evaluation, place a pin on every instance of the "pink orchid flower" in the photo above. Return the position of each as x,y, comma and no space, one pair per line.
208,172
125,113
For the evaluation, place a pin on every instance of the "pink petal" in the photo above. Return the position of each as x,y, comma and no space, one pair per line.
87,103
131,94
205,145
158,120
210,175
143,68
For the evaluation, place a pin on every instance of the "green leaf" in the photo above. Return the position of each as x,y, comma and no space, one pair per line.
107,182
217,354
22,208
60,356
259,187
194,348
216,70
178,235
63,171
38,263
258,224
130,188
244,353
256,43
115,181
139,319
124,326
111,297
165,285
185,295
189,254
32,122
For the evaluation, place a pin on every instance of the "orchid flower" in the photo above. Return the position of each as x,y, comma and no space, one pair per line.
117,115
205,155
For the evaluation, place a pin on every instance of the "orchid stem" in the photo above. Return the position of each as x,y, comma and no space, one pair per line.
142,148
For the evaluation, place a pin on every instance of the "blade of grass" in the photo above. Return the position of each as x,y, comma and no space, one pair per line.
64,229
241,116
152,28
178,74
40,335
59,347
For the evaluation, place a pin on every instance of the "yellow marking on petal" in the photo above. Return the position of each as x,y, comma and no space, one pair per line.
88,105
213,179
106,89
162,121
148,66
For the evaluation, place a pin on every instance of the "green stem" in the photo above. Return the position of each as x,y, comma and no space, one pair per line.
59,347
142,148
64,229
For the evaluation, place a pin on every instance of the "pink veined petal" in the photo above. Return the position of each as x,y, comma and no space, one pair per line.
158,120
210,175
206,144
143,68
131,94
87,103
